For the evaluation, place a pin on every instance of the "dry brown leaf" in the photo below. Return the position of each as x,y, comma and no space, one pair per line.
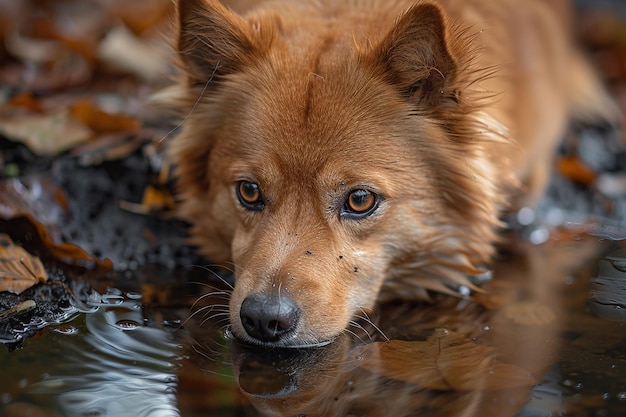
100,121
140,16
46,134
154,200
574,169
23,307
27,101
123,50
445,361
19,270
18,210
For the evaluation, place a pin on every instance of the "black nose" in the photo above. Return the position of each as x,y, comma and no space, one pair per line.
269,317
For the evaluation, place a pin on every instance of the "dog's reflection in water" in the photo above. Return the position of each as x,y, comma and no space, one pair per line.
450,358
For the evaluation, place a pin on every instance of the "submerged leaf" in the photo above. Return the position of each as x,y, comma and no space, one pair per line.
19,270
445,361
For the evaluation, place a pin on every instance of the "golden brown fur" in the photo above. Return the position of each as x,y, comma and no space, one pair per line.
444,109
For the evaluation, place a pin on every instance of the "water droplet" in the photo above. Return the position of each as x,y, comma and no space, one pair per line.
113,291
464,290
621,396
605,396
486,327
127,324
112,299
525,216
5,398
66,329
134,295
567,383
539,236
620,265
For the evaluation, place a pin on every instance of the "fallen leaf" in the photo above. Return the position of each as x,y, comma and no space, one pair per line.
140,16
445,361
109,147
123,50
19,270
100,121
46,134
574,169
19,207
27,101
22,307
154,200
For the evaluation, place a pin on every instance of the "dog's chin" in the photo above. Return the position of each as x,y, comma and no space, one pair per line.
293,342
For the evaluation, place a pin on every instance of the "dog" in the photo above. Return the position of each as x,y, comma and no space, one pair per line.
339,153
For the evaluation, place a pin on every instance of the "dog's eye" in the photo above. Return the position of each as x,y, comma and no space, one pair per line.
249,195
360,203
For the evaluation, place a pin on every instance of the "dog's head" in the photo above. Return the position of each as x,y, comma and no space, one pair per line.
327,161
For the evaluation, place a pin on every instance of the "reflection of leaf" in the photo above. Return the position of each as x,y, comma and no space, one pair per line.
19,270
445,361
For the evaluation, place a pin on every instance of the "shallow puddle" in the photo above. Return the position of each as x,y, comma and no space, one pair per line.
547,339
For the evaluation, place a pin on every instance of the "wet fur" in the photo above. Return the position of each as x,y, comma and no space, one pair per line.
449,110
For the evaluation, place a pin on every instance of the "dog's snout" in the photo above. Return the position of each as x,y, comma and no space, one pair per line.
269,317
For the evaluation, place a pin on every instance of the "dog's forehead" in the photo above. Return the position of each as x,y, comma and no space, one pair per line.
336,111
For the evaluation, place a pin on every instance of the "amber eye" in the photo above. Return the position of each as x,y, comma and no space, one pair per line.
249,195
360,203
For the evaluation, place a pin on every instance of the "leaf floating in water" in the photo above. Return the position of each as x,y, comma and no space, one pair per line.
19,270
445,361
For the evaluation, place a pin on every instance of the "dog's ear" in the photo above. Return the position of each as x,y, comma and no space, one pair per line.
212,40
416,57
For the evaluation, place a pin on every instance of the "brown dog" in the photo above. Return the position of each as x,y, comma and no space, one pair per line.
334,149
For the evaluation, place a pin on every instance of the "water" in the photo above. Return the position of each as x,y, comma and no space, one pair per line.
548,340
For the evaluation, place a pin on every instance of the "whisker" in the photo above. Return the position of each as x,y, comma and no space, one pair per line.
368,320
220,323
347,330
215,274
